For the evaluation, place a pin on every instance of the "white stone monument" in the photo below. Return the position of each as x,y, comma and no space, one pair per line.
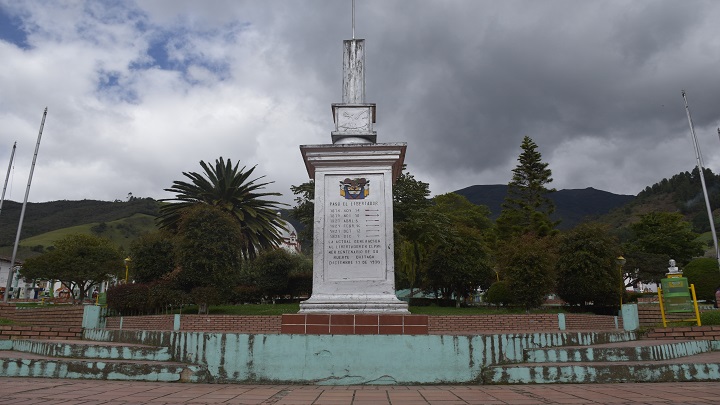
353,257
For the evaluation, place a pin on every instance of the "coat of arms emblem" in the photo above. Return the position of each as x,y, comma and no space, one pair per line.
355,189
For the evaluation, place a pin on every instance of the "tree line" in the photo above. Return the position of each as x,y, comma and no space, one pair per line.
218,241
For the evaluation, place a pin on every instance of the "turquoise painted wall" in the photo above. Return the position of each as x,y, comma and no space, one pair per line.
349,359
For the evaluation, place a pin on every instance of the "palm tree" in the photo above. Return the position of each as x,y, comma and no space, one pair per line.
229,189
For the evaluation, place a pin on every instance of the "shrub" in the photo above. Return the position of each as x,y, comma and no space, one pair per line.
206,296
703,272
499,294
710,318
300,284
165,294
247,294
129,299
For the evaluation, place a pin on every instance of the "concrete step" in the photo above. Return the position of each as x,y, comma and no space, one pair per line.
93,350
699,367
23,364
646,350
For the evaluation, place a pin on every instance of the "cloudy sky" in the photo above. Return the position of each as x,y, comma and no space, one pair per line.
140,91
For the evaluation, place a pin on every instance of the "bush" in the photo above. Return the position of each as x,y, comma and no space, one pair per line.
499,294
710,318
247,294
703,272
300,284
420,302
129,299
632,296
206,296
165,294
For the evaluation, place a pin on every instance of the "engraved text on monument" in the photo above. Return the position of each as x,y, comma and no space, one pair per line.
354,227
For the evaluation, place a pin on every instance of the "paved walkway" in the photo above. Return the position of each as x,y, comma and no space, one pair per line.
58,391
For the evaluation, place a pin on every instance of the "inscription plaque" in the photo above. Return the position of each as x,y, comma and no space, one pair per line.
354,228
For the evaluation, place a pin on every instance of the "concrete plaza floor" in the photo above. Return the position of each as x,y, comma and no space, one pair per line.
86,392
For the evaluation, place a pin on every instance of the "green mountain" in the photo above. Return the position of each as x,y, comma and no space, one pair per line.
571,206
681,193
123,221
46,222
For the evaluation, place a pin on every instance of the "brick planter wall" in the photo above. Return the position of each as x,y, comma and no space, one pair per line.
40,332
199,323
367,324
231,323
465,324
51,315
685,333
144,322
592,322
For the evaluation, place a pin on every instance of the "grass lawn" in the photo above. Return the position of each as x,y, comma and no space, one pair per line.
249,309
279,309
435,310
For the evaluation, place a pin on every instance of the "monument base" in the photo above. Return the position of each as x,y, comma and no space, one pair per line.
354,304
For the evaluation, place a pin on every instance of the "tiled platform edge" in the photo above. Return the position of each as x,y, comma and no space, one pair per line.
359,324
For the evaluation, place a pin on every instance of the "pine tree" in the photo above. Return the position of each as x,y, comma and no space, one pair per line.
527,208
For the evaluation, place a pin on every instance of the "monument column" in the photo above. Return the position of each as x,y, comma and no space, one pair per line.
353,257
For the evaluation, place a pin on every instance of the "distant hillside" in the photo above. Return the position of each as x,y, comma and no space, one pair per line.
44,223
121,232
681,193
54,215
123,221
571,206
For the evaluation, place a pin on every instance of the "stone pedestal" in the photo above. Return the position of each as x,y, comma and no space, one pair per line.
353,257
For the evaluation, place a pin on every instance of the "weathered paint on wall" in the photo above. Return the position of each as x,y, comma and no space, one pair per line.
349,359
100,370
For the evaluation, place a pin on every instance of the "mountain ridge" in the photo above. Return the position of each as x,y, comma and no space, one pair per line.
572,206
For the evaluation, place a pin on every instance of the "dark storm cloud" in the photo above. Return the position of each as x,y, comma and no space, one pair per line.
595,83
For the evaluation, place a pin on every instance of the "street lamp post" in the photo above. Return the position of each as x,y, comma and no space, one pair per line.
127,272
621,262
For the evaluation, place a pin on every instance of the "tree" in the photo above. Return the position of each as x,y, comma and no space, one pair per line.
459,260
528,263
304,211
643,266
415,239
209,249
271,270
229,189
587,270
153,256
78,261
416,228
459,266
526,207
409,196
665,233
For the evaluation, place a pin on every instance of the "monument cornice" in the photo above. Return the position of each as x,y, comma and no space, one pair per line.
354,155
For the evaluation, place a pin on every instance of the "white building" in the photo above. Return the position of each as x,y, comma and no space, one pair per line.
289,238
26,289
